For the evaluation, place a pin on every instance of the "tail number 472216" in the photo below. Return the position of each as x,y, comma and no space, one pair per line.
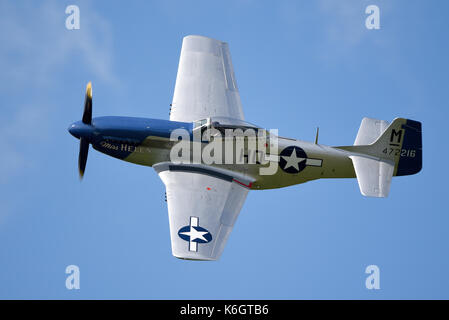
411,153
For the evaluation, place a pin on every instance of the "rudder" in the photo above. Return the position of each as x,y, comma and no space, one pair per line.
401,142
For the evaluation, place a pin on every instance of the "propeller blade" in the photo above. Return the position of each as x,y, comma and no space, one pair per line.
82,158
87,114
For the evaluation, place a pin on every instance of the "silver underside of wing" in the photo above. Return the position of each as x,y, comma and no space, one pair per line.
205,84
203,205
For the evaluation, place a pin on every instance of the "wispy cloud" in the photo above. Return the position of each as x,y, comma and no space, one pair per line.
36,44
37,53
343,26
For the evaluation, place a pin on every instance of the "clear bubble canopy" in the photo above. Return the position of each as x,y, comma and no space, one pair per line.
224,122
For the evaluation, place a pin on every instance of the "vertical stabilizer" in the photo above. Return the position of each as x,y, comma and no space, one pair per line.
383,150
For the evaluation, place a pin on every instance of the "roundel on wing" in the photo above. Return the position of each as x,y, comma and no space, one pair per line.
195,234
292,159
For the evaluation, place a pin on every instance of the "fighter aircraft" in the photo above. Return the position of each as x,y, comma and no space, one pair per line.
204,198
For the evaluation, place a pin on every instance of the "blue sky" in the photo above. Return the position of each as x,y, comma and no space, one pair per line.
299,65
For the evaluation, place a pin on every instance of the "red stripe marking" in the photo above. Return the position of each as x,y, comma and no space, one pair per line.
248,186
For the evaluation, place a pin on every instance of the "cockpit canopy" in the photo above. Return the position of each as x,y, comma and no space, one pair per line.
220,126
223,122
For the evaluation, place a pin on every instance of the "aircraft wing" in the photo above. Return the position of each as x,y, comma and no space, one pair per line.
203,205
205,84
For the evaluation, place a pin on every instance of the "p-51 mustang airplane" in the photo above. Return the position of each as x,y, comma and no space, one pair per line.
204,199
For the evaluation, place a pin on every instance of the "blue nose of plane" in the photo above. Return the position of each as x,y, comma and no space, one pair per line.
80,130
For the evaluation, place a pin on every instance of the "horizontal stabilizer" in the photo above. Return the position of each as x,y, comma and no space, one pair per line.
373,176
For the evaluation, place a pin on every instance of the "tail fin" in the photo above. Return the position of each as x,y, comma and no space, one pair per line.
381,151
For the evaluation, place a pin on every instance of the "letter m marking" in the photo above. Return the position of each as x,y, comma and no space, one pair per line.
397,135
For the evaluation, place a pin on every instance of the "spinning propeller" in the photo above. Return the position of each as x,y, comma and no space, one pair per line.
83,130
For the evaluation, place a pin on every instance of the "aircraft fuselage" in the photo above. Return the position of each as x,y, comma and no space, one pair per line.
147,141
